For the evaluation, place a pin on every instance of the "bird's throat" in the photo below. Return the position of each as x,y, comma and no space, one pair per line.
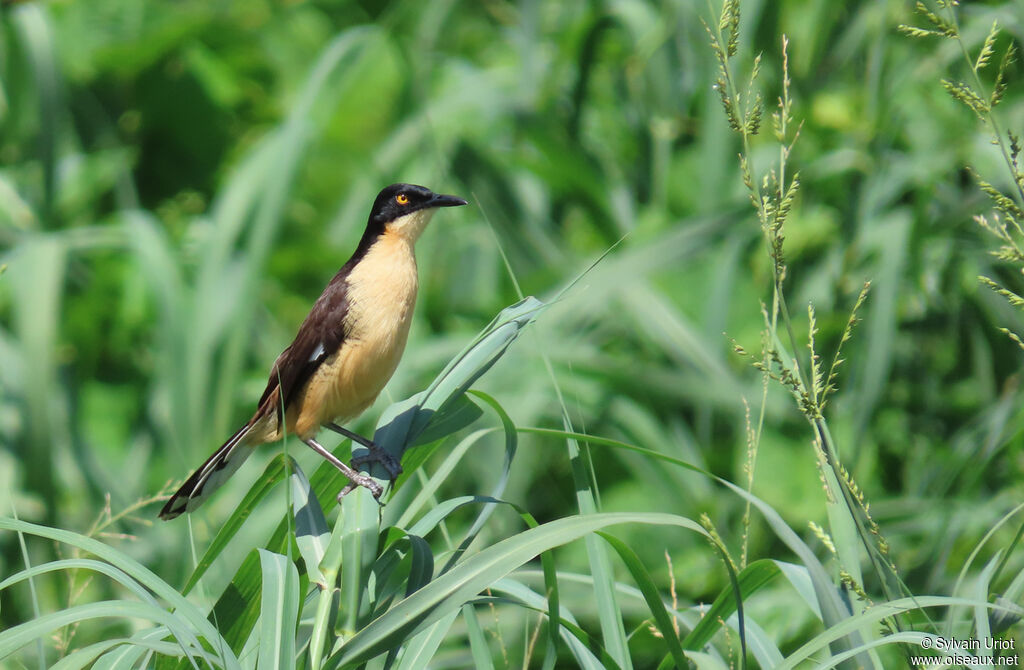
410,226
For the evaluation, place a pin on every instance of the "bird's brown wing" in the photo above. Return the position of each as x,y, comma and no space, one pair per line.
319,336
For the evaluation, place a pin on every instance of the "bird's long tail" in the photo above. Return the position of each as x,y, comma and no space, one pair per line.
210,475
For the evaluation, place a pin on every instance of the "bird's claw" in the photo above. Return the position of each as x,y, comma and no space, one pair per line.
366,482
376,454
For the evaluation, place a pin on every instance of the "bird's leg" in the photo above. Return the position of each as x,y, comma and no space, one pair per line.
377,454
354,478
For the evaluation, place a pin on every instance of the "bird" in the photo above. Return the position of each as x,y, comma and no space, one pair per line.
343,354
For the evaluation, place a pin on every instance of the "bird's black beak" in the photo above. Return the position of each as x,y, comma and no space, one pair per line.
446,201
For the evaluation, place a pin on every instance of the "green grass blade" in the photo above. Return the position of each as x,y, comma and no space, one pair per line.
820,643
238,608
450,591
612,629
511,444
982,627
951,616
272,474
16,637
360,517
418,651
84,657
587,651
186,611
448,465
114,573
643,580
439,512
403,422
279,612
312,534
477,641
323,622
750,580
421,569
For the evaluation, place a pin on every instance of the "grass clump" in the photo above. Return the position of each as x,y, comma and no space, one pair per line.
178,180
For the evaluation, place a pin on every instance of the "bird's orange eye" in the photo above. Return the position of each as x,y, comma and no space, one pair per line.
402,199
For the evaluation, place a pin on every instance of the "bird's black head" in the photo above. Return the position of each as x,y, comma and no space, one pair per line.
398,200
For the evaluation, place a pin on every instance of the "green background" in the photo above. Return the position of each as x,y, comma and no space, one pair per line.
178,180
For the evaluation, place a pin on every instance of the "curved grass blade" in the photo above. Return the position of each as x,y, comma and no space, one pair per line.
272,474
456,587
750,580
402,423
643,580
84,657
107,569
511,444
448,465
16,637
587,651
833,608
421,570
184,610
951,616
820,642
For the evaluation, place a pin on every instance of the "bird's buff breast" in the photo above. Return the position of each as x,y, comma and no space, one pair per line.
382,296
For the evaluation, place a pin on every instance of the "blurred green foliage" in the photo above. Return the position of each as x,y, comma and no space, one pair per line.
179,179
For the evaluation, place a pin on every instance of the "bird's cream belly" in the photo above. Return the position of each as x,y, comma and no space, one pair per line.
382,293
355,378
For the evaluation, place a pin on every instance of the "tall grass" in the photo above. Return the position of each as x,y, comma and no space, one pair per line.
155,264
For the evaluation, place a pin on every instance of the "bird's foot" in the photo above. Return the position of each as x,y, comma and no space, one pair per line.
355,480
377,454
